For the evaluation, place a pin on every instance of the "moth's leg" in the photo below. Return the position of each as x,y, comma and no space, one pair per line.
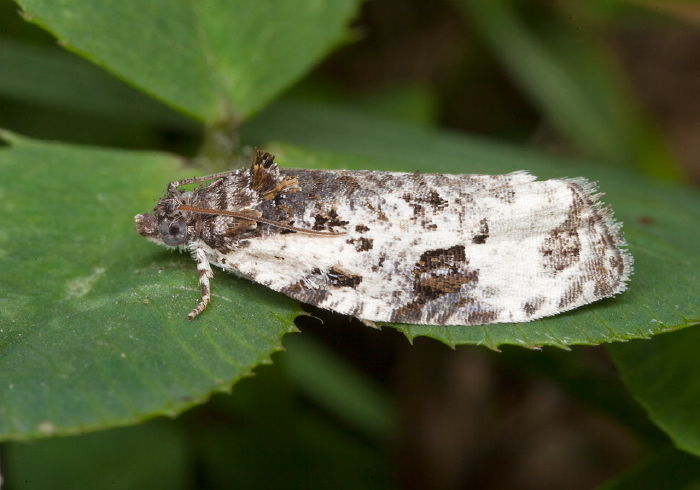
205,273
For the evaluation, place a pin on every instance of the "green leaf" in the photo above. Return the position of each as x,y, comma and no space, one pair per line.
48,93
116,459
211,60
264,436
92,317
51,77
92,329
664,377
668,468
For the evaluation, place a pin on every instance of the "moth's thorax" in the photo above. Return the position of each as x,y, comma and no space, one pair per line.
238,192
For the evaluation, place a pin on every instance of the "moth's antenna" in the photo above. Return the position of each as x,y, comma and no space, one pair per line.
233,214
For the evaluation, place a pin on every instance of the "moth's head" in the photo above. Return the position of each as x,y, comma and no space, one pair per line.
165,225
170,232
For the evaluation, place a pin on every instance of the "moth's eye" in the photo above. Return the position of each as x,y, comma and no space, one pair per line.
173,232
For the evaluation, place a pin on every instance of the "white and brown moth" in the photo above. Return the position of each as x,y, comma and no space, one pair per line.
400,247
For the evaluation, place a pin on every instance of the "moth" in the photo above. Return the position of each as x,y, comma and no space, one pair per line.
400,247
